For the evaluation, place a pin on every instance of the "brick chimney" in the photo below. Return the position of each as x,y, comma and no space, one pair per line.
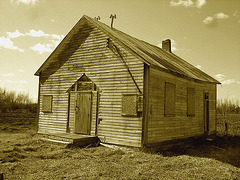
166,45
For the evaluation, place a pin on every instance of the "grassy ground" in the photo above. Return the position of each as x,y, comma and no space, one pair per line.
24,156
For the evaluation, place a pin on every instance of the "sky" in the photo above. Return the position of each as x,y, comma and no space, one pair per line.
206,33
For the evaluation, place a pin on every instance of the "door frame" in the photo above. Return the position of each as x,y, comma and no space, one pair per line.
206,111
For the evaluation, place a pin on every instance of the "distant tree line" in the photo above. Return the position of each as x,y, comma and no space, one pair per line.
228,106
11,101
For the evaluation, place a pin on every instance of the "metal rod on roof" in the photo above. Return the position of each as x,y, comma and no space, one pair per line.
125,64
112,17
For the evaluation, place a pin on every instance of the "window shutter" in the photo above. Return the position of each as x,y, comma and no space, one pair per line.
47,103
129,104
170,99
190,101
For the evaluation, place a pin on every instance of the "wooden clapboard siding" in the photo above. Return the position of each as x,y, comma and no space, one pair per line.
94,112
162,128
72,103
110,75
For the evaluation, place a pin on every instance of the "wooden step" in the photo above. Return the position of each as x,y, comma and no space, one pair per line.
70,139
56,141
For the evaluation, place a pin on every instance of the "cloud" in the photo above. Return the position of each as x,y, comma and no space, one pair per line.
8,74
185,3
41,48
221,16
56,36
174,45
188,3
8,44
208,20
15,34
222,78
200,3
40,33
26,2
55,39
55,43
211,19
34,33
18,82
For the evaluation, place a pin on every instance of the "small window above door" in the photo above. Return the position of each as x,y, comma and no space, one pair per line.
84,83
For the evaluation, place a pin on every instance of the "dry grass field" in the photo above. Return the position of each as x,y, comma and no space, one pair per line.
24,156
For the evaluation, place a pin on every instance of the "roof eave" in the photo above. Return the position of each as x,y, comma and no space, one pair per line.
184,76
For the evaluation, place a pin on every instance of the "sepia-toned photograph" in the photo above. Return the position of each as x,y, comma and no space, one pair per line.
119,89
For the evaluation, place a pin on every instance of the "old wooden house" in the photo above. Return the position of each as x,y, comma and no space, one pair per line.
103,83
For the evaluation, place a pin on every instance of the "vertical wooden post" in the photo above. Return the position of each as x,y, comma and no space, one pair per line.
68,113
215,109
112,17
226,128
145,105
38,108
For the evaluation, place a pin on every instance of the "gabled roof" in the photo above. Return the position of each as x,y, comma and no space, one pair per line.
149,54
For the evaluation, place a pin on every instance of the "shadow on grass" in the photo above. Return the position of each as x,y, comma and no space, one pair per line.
224,149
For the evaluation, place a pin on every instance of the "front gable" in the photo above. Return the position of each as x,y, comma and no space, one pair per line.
65,49
94,61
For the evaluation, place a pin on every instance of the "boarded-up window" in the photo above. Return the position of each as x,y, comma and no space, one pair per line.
47,103
129,104
190,101
169,109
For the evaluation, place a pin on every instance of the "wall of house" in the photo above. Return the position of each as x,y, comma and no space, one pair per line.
110,75
161,128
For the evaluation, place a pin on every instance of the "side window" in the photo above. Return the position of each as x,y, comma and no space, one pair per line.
129,105
190,101
47,103
169,109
